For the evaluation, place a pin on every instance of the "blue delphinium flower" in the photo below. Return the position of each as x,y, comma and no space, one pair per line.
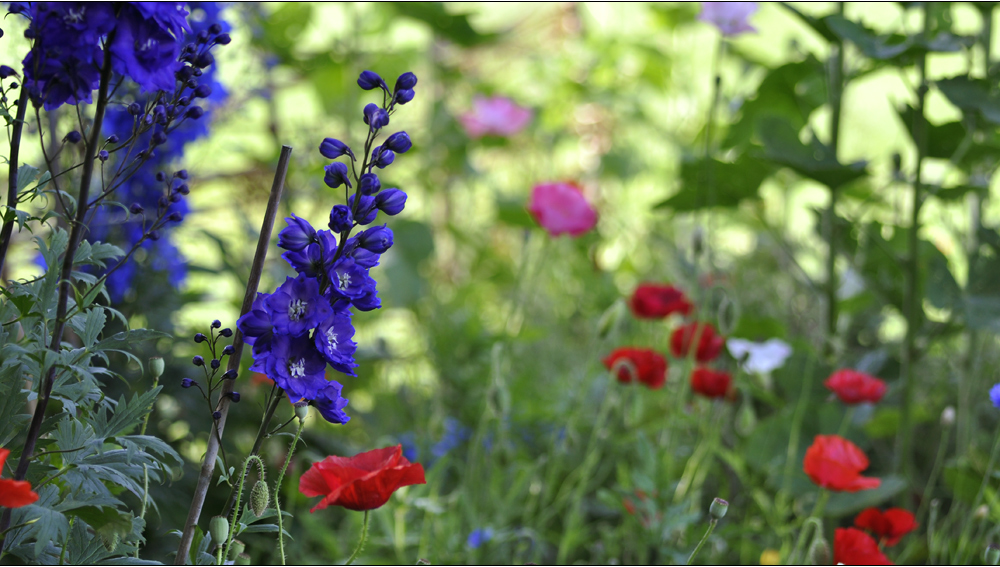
478,537
995,395
305,324
454,435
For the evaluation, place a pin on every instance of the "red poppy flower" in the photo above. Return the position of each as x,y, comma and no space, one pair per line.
890,526
854,547
643,364
14,493
853,387
362,482
835,463
709,344
655,301
710,383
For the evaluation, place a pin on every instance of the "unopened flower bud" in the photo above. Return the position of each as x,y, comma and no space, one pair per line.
135,109
158,139
718,508
218,526
215,363
370,80
227,332
229,374
113,139
156,366
260,497
819,552
992,554
981,512
6,71
404,96
301,410
73,137
194,112
235,396
228,350
216,324
243,559
398,142
405,81
204,90
948,417
187,383
198,360
135,209
236,548
103,155
216,415
200,337
332,148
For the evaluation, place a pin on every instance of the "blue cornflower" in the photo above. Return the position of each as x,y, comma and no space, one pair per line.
296,366
478,537
297,306
333,340
454,435
297,235
330,403
409,442
995,395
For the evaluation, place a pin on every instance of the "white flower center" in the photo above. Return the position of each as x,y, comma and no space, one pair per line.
344,280
296,309
75,16
297,368
147,45
331,339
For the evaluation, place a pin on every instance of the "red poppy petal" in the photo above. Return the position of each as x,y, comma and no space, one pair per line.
16,493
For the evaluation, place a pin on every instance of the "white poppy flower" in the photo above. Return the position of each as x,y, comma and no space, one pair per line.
761,358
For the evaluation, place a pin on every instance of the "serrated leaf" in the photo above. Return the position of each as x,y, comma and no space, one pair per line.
25,175
126,339
96,318
126,414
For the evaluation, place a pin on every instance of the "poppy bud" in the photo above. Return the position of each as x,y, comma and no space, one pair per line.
260,497
243,559
109,539
236,548
992,555
301,410
391,201
718,508
370,80
219,528
156,366
819,552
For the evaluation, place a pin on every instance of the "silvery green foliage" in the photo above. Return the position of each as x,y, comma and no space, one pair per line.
92,469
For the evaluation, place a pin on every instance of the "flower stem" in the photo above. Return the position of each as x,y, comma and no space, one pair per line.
704,538
987,475
277,491
361,542
814,520
214,441
15,146
239,494
836,90
846,423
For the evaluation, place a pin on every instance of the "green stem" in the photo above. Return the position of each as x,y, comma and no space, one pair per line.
277,491
793,437
836,91
145,495
704,538
846,423
361,542
987,475
911,303
239,494
218,555
813,519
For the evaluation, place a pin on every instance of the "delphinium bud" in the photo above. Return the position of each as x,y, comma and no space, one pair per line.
198,360
183,189
223,39
160,176
215,364
200,337
216,415
260,497
218,526
718,508
336,175
228,350
194,112
406,81
73,137
376,239
175,216
216,324
391,201
135,109
6,71
230,374
187,383
158,139
332,148
341,219
227,332
203,91
112,139
375,116
156,366
370,80
153,235
404,96
992,554
398,142
297,235
369,184
103,155
382,157
235,396
365,211
135,209
181,174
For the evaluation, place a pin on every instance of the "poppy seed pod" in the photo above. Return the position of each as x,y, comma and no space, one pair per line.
218,526
156,366
718,508
992,555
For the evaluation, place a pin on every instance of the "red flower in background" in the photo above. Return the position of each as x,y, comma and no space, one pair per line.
835,463
561,208
14,493
656,301
890,526
709,343
855,547
710,383
362,482
642,364
853,387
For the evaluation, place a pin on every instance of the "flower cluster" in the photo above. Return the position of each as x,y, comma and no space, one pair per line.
305,324
890,526
853,387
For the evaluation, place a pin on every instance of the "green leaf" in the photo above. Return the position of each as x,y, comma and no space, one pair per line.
848,503
96,318
12,402
454,27
126,414
25,175
972,96
943,140
714,183
867,41
815,161
126,339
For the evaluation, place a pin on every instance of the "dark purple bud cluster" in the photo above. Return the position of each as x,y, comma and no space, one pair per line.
214,375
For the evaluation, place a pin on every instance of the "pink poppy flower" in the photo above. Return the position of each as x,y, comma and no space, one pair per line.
561,208
499,116
729,17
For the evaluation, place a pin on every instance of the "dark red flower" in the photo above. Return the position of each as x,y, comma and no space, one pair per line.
362,482
709,343
14,493
642,364
710,383
890,526
656,301
854,547
835,463
853,387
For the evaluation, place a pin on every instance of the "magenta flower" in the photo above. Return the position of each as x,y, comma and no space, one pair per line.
729,17
497,115
561,208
